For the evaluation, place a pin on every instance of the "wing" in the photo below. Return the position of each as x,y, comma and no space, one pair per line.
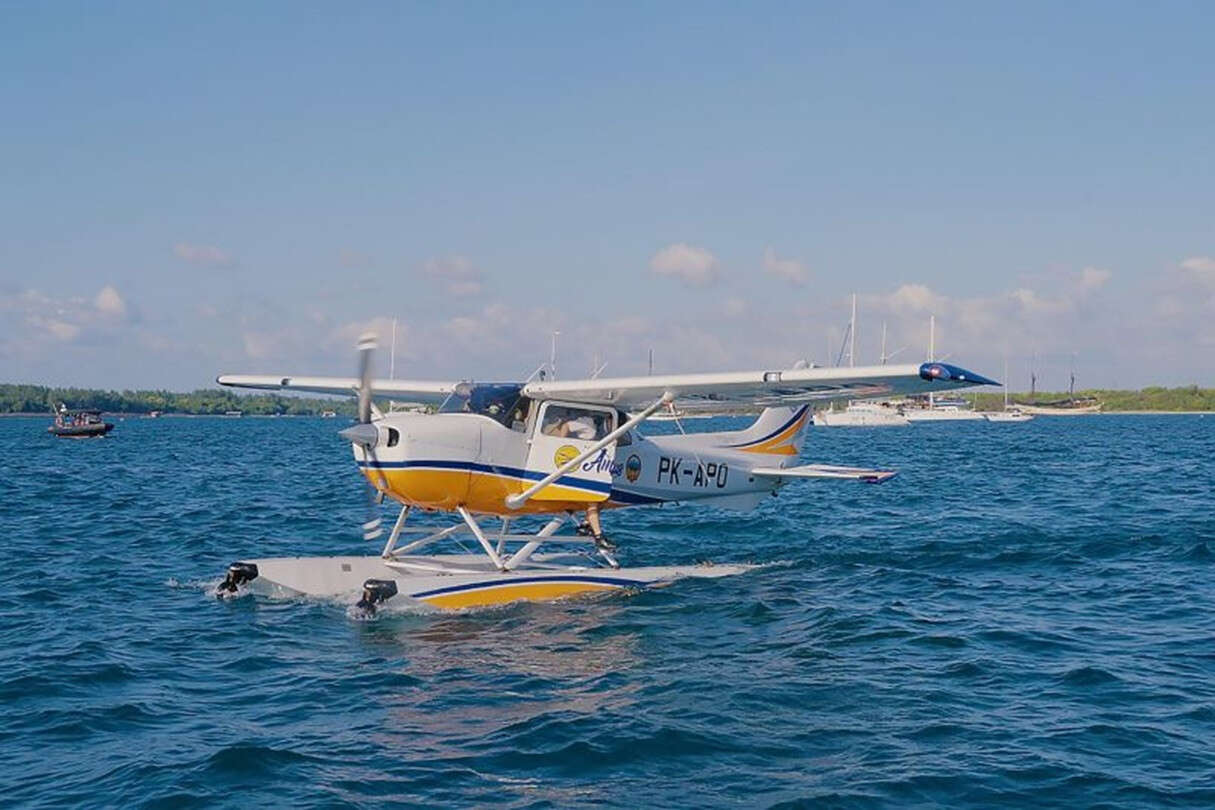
767,388
424,391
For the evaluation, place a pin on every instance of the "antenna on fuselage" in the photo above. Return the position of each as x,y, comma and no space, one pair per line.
552,357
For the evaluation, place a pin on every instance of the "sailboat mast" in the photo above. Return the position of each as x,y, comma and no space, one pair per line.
883,343
1006,383
932,351
852,335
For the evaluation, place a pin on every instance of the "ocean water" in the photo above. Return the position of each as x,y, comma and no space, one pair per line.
1024,617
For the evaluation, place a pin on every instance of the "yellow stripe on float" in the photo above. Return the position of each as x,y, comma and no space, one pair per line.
501,594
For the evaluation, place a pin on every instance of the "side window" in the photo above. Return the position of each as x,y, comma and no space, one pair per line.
575,423
518,416
394,437
624,439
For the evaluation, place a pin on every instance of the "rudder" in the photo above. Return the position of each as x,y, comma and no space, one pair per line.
777,432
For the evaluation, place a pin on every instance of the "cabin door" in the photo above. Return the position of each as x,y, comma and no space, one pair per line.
564,431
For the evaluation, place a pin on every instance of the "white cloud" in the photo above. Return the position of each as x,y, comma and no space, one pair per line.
1201,268
457,274
346,337
351,259
259,345
915,298
207,255
60,330
109,302
790,270
1034,304
105,316
692,265
1092,278
464,289
735,307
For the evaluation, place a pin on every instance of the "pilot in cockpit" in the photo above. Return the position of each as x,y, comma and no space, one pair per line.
563,423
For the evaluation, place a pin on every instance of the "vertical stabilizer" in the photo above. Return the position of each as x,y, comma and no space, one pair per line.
777,433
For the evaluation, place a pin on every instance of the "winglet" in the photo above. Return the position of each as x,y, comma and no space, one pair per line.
946,372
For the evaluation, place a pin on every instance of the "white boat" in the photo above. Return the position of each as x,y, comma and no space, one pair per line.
1073,408
944,411
861,414
1011,413
952,410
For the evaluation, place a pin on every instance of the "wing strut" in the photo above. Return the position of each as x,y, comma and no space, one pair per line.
515,501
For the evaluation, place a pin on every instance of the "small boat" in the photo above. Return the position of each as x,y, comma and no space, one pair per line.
328,414
234,414
1067,407
83,424
862,414
1011,413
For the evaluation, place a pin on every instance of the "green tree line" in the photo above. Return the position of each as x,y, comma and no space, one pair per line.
42,399
1153,398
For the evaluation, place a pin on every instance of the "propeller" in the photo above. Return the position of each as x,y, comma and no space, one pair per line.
366,435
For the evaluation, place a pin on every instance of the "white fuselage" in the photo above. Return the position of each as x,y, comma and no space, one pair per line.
443,461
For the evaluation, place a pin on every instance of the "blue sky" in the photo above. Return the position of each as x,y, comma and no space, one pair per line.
246,187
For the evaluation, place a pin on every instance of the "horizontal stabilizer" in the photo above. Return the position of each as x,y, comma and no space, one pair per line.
826,471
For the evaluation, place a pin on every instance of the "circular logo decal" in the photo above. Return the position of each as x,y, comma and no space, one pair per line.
632,468
565,454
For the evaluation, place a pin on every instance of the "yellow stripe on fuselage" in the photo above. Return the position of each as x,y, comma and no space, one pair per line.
478,491
501,594
783,443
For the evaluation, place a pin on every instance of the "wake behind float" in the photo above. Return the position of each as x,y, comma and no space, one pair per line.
501,451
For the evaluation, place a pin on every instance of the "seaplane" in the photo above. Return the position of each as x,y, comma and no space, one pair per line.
497,455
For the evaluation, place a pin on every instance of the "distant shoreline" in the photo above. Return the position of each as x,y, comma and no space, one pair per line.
141,416
36,400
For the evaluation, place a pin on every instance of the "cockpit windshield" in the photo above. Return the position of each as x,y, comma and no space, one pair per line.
502,402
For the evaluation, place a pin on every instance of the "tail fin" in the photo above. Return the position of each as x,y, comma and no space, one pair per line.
777,432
